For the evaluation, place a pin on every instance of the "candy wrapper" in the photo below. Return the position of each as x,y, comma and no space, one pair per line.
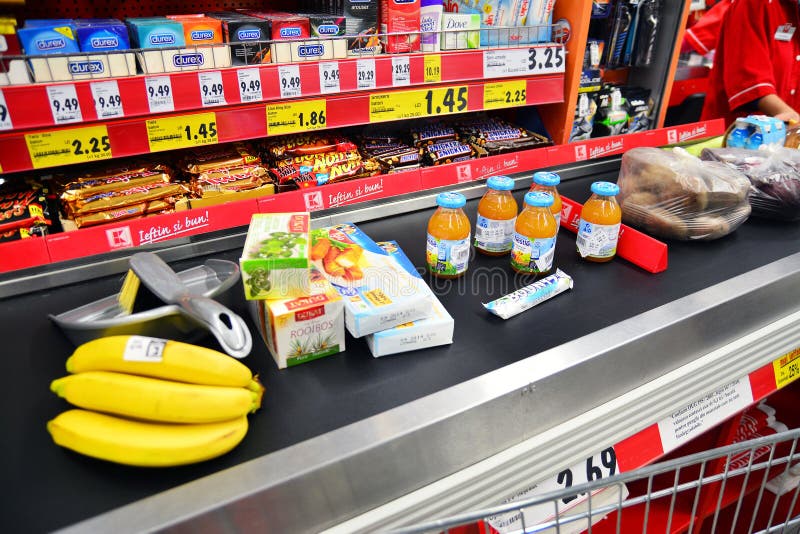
530,295
674,195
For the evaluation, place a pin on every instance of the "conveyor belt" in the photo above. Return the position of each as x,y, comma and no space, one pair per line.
47,487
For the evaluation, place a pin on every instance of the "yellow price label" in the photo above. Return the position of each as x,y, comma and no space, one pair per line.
433,68
186,131
294,117
505,94
787,368
417,103
64,147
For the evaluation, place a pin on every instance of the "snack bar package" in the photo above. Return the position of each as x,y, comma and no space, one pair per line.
674,195
774,175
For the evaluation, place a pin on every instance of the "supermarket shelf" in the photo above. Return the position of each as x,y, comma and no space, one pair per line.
30,106
114,237
20,151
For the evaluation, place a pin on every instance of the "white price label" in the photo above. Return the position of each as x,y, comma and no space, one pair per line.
5,115
159,94
144,349
212,91
289,78
329,77
365,74
546,59
401,71
64,104
107,102
249,85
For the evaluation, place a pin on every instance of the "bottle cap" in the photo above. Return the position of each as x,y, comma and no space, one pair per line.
605,189
546,178
451,200
500,183
539,199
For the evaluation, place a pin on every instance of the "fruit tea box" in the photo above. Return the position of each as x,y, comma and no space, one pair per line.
303,329
377,292
275,262
433,331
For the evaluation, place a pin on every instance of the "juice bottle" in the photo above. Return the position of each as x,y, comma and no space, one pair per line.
535,235
598,230
547,182
497,212
448,243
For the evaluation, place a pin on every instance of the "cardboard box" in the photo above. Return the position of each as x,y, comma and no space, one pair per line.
400,17
362,27
460,31
378,293
223,197
434,331
303,329
275,260
246,36
199,30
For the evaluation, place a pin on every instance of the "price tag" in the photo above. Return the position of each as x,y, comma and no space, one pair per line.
289,77
365,74
107,102
329,77
417,103
5,115
211,90
169,133
787,368
297,116
65,147
401,71
504,94
249,85
547,59
159,94
64,104
433,68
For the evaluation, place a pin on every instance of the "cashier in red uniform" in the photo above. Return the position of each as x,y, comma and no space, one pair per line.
757,63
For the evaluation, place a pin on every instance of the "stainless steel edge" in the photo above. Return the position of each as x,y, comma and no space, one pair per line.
330,479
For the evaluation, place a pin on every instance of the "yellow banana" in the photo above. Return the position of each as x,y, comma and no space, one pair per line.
141,443
154,399
172,360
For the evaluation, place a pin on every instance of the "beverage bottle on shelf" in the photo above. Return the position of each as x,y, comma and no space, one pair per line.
497,212
448,243
598,230
535,236
547,183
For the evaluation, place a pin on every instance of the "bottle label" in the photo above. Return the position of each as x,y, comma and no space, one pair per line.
597,240
494,236
532,255
446,256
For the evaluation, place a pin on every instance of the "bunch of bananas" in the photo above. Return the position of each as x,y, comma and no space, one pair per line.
151,402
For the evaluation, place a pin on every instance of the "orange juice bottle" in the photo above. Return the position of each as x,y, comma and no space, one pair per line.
535,235
449,231
497,213
547,182
598,230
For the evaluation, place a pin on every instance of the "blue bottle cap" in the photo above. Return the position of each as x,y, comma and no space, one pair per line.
546,178
451,200
605,189
539,199
500,183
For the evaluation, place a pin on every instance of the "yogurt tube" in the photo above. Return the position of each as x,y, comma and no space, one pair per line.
530,295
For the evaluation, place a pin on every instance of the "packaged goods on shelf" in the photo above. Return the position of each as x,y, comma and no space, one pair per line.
302,329
214,157
612,116
400,26
275,260
459,31
199,30
362,27
583,123
23,212
433,331
378,293
774,176
165,47
632,32
675,195
430,24
245,35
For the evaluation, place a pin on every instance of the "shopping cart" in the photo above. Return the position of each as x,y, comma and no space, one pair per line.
750,486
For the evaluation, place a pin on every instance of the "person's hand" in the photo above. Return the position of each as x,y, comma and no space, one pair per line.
790,117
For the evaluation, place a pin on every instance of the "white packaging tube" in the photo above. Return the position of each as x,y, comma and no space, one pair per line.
530,295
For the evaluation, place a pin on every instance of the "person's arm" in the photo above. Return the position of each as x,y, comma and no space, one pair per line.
774,106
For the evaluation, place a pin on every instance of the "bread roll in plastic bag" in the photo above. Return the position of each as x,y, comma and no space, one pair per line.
774,175
674,195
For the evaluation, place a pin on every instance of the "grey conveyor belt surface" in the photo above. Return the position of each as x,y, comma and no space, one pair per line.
46,487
